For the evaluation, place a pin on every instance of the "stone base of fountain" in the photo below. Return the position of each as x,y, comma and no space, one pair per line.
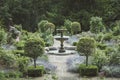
55,51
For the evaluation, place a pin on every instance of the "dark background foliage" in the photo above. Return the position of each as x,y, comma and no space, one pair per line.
30,12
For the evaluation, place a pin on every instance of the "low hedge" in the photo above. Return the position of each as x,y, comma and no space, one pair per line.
89,70
35,72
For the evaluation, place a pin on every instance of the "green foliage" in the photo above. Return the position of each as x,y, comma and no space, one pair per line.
111,71
34,47
13,74
2,76
101,46
75,27
115,58
18,27
44,25
22,63
19,52
7,58
74,44
100,59
2,35
99,37
109,50
116,29
41,25
67,24
96,25
107,37
49,27
46,30
90,70
20,45
35,72
86,46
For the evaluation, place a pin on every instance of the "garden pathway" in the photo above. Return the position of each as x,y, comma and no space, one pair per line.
60,62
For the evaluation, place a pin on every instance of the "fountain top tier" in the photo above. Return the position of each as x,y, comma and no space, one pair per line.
61,30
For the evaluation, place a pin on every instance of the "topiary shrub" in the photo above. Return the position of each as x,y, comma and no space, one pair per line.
86,46
90,70
41,25
49,27
75,27
96,25
34,47
35,72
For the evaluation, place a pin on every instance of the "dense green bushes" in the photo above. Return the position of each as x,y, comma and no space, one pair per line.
35,72
90,70
2,36
100,59
7,58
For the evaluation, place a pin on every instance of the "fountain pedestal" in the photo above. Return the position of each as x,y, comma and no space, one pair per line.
61,39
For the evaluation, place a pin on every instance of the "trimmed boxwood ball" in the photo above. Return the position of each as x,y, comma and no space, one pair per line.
90,70
50,26
75,27
34,47
35,72
41,25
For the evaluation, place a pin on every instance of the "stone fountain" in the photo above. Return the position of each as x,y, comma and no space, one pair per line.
60,49
61,38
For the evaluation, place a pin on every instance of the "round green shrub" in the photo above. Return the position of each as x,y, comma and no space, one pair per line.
41,25
34,47
35,72
75,27
49,26
96,25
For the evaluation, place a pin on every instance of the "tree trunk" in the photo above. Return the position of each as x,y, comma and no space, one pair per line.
35,63
86,60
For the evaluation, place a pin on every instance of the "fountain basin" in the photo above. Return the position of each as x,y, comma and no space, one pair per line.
61,38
